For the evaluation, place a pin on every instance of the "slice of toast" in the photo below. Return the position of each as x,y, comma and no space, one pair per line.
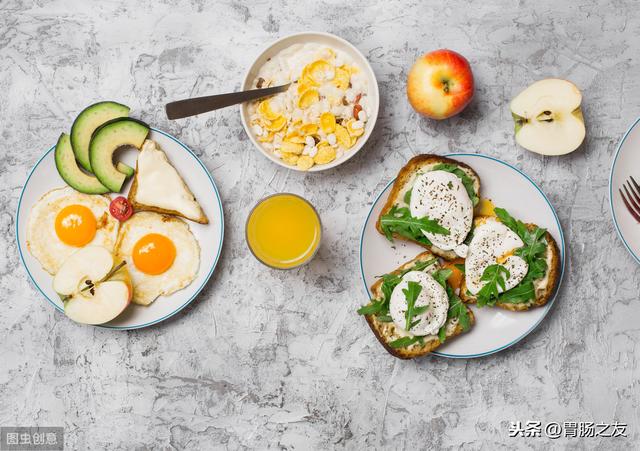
404,181
544,291
157,186
386,332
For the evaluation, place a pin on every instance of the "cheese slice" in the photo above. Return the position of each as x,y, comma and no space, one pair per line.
158,186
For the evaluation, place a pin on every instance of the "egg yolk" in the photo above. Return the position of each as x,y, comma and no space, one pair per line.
76,225
153,254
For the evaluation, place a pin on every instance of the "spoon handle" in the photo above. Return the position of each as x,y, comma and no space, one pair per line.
197,105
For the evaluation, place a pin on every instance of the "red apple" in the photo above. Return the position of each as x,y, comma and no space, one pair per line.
440,84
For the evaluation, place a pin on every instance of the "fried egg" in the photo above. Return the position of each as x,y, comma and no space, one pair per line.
432,295
440,195
63,221
161,253
493,243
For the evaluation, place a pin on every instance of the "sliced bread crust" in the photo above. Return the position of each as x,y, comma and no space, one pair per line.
543,294
386,332
404,181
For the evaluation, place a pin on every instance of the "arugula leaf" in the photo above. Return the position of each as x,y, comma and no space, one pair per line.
441,275
442,333
407,197
523,292
411,294
400,221
533,252
380,307
404,342
495,276
464,178
460,267
457,308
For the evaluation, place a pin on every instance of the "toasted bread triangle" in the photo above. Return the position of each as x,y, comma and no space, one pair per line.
157,186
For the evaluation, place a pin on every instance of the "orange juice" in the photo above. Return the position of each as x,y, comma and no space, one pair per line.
283,231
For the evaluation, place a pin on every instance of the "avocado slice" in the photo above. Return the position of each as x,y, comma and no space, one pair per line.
87,122
106,140
125,169
71,173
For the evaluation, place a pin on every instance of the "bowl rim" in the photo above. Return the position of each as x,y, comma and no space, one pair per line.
374,92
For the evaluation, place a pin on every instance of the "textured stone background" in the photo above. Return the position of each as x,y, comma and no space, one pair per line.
280,359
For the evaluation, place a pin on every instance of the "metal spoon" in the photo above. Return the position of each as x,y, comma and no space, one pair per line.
197,105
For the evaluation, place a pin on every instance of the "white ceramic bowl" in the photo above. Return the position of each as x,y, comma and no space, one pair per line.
331,41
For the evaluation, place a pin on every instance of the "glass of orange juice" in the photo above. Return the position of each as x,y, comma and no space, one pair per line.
283,231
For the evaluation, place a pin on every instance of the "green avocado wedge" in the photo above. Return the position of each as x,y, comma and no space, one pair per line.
87,122
106,140
70,171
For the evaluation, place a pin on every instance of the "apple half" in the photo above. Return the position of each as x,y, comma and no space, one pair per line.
92,289
548,118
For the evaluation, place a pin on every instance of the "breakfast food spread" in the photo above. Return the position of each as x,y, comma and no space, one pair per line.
478,254
162,254
102,254
283,231
322,114
158,187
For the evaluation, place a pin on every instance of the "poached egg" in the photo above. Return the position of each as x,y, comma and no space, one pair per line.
440,195
432,295
493,243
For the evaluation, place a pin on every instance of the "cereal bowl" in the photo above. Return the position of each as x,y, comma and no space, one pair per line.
326,115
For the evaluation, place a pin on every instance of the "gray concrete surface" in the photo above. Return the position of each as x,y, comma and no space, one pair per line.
269,359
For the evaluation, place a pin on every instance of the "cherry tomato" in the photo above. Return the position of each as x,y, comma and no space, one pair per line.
120,208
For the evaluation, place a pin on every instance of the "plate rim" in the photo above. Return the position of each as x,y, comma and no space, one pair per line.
169,315
562,255
613,214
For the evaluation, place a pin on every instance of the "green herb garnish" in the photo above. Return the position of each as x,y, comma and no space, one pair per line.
411,294
400,221
380,307
407,197
404,342
495,276
464,178
533,252
457,309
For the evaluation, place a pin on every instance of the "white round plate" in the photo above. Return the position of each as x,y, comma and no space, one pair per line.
329,40
626,163
44,177
495,329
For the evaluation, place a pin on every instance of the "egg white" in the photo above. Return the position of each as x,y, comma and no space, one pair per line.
440,195
491,241
42,240
146,287
432,295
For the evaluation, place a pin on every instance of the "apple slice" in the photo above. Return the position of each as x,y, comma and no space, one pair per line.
548,118
108,300
93,291
90,264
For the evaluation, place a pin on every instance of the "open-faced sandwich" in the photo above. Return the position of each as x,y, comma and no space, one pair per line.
414,309
431,203
510,264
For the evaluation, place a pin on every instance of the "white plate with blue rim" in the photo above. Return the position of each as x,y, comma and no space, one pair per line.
626,164
507,187
44,177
